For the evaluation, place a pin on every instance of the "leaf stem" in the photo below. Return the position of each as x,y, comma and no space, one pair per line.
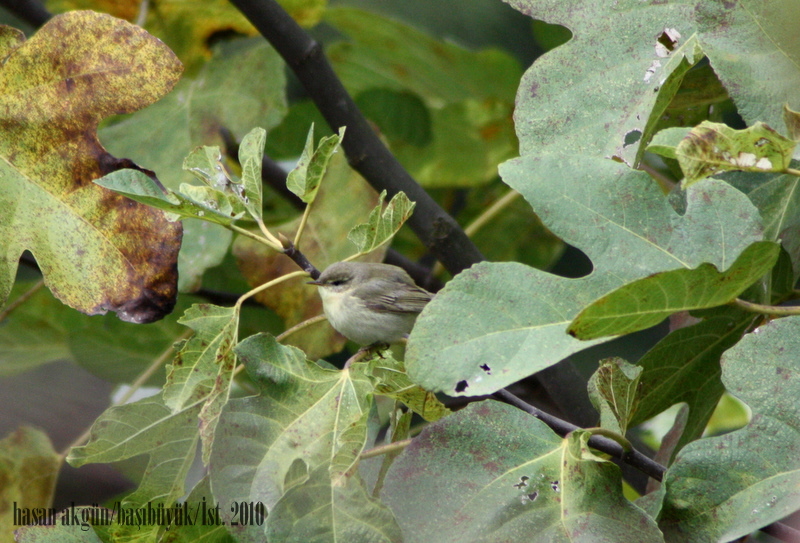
303,221
247,233
299,326
481,220
267,285
269,235
21,299
780,311
397,446
792,171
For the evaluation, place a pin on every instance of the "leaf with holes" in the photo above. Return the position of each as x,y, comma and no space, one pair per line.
521,482
712,148
98,250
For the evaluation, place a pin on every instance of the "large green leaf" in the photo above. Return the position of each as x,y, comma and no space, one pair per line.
147,427
493,473
597,91
499,322
648,301
98,251
684,367
304,413
723,488
322,511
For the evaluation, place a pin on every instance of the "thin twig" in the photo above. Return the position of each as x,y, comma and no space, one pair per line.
395,446
299,326
256,237
303,221
21,299
493,210
269,284
777,310
483,219
561,427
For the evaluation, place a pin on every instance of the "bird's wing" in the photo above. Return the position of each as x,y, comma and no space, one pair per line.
410,300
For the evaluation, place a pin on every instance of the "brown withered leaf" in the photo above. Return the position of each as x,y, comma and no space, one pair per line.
98,250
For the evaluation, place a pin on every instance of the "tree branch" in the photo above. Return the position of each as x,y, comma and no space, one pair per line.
437,230
561,427
32,12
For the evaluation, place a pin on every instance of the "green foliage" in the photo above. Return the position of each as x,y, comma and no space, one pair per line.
614,391
646,302
382,223
251,417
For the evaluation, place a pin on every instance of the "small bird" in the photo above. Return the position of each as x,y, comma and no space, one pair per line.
370,303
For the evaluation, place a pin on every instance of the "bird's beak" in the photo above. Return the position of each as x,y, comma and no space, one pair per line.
313,282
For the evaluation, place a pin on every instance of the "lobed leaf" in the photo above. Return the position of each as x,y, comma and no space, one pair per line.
499,322
146,427
101,252
320,510
722,488
646,302
303,411
512,479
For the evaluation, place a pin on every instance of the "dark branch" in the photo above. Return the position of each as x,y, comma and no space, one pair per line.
365,152
633,458
437,230
32,12
299,258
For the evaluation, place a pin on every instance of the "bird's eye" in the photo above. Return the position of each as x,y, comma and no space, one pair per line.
337,282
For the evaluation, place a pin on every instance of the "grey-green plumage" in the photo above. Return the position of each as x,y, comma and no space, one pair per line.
370,303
